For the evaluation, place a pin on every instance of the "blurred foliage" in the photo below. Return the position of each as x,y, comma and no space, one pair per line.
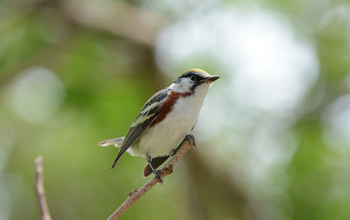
73,73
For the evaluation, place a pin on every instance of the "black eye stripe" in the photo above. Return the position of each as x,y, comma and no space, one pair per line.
191,75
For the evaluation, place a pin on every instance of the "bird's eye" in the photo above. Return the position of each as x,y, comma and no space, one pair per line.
193,78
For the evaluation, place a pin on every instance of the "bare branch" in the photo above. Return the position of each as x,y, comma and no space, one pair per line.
187,144
39,186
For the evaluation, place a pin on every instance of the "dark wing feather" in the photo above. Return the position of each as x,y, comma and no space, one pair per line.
148,114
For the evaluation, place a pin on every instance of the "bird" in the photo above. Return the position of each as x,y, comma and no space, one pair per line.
165,120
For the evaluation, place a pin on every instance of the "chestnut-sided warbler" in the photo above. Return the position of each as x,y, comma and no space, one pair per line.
165,120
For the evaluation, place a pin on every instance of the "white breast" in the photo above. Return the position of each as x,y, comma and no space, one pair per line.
161,139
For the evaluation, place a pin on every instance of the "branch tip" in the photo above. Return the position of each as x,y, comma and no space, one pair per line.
39,187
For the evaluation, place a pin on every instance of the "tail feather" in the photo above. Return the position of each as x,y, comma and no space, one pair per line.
117,142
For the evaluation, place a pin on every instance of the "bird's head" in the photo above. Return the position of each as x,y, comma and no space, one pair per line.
191,80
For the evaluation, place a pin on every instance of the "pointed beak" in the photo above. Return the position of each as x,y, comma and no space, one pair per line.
210,79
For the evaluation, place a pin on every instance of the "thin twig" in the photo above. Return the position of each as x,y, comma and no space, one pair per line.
168,169
39,186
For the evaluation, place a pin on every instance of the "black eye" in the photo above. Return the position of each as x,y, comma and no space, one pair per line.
193,78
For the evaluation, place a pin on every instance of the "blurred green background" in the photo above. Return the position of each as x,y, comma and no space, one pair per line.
273,135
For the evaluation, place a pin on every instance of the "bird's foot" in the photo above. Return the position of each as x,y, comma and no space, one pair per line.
157,174
190,137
